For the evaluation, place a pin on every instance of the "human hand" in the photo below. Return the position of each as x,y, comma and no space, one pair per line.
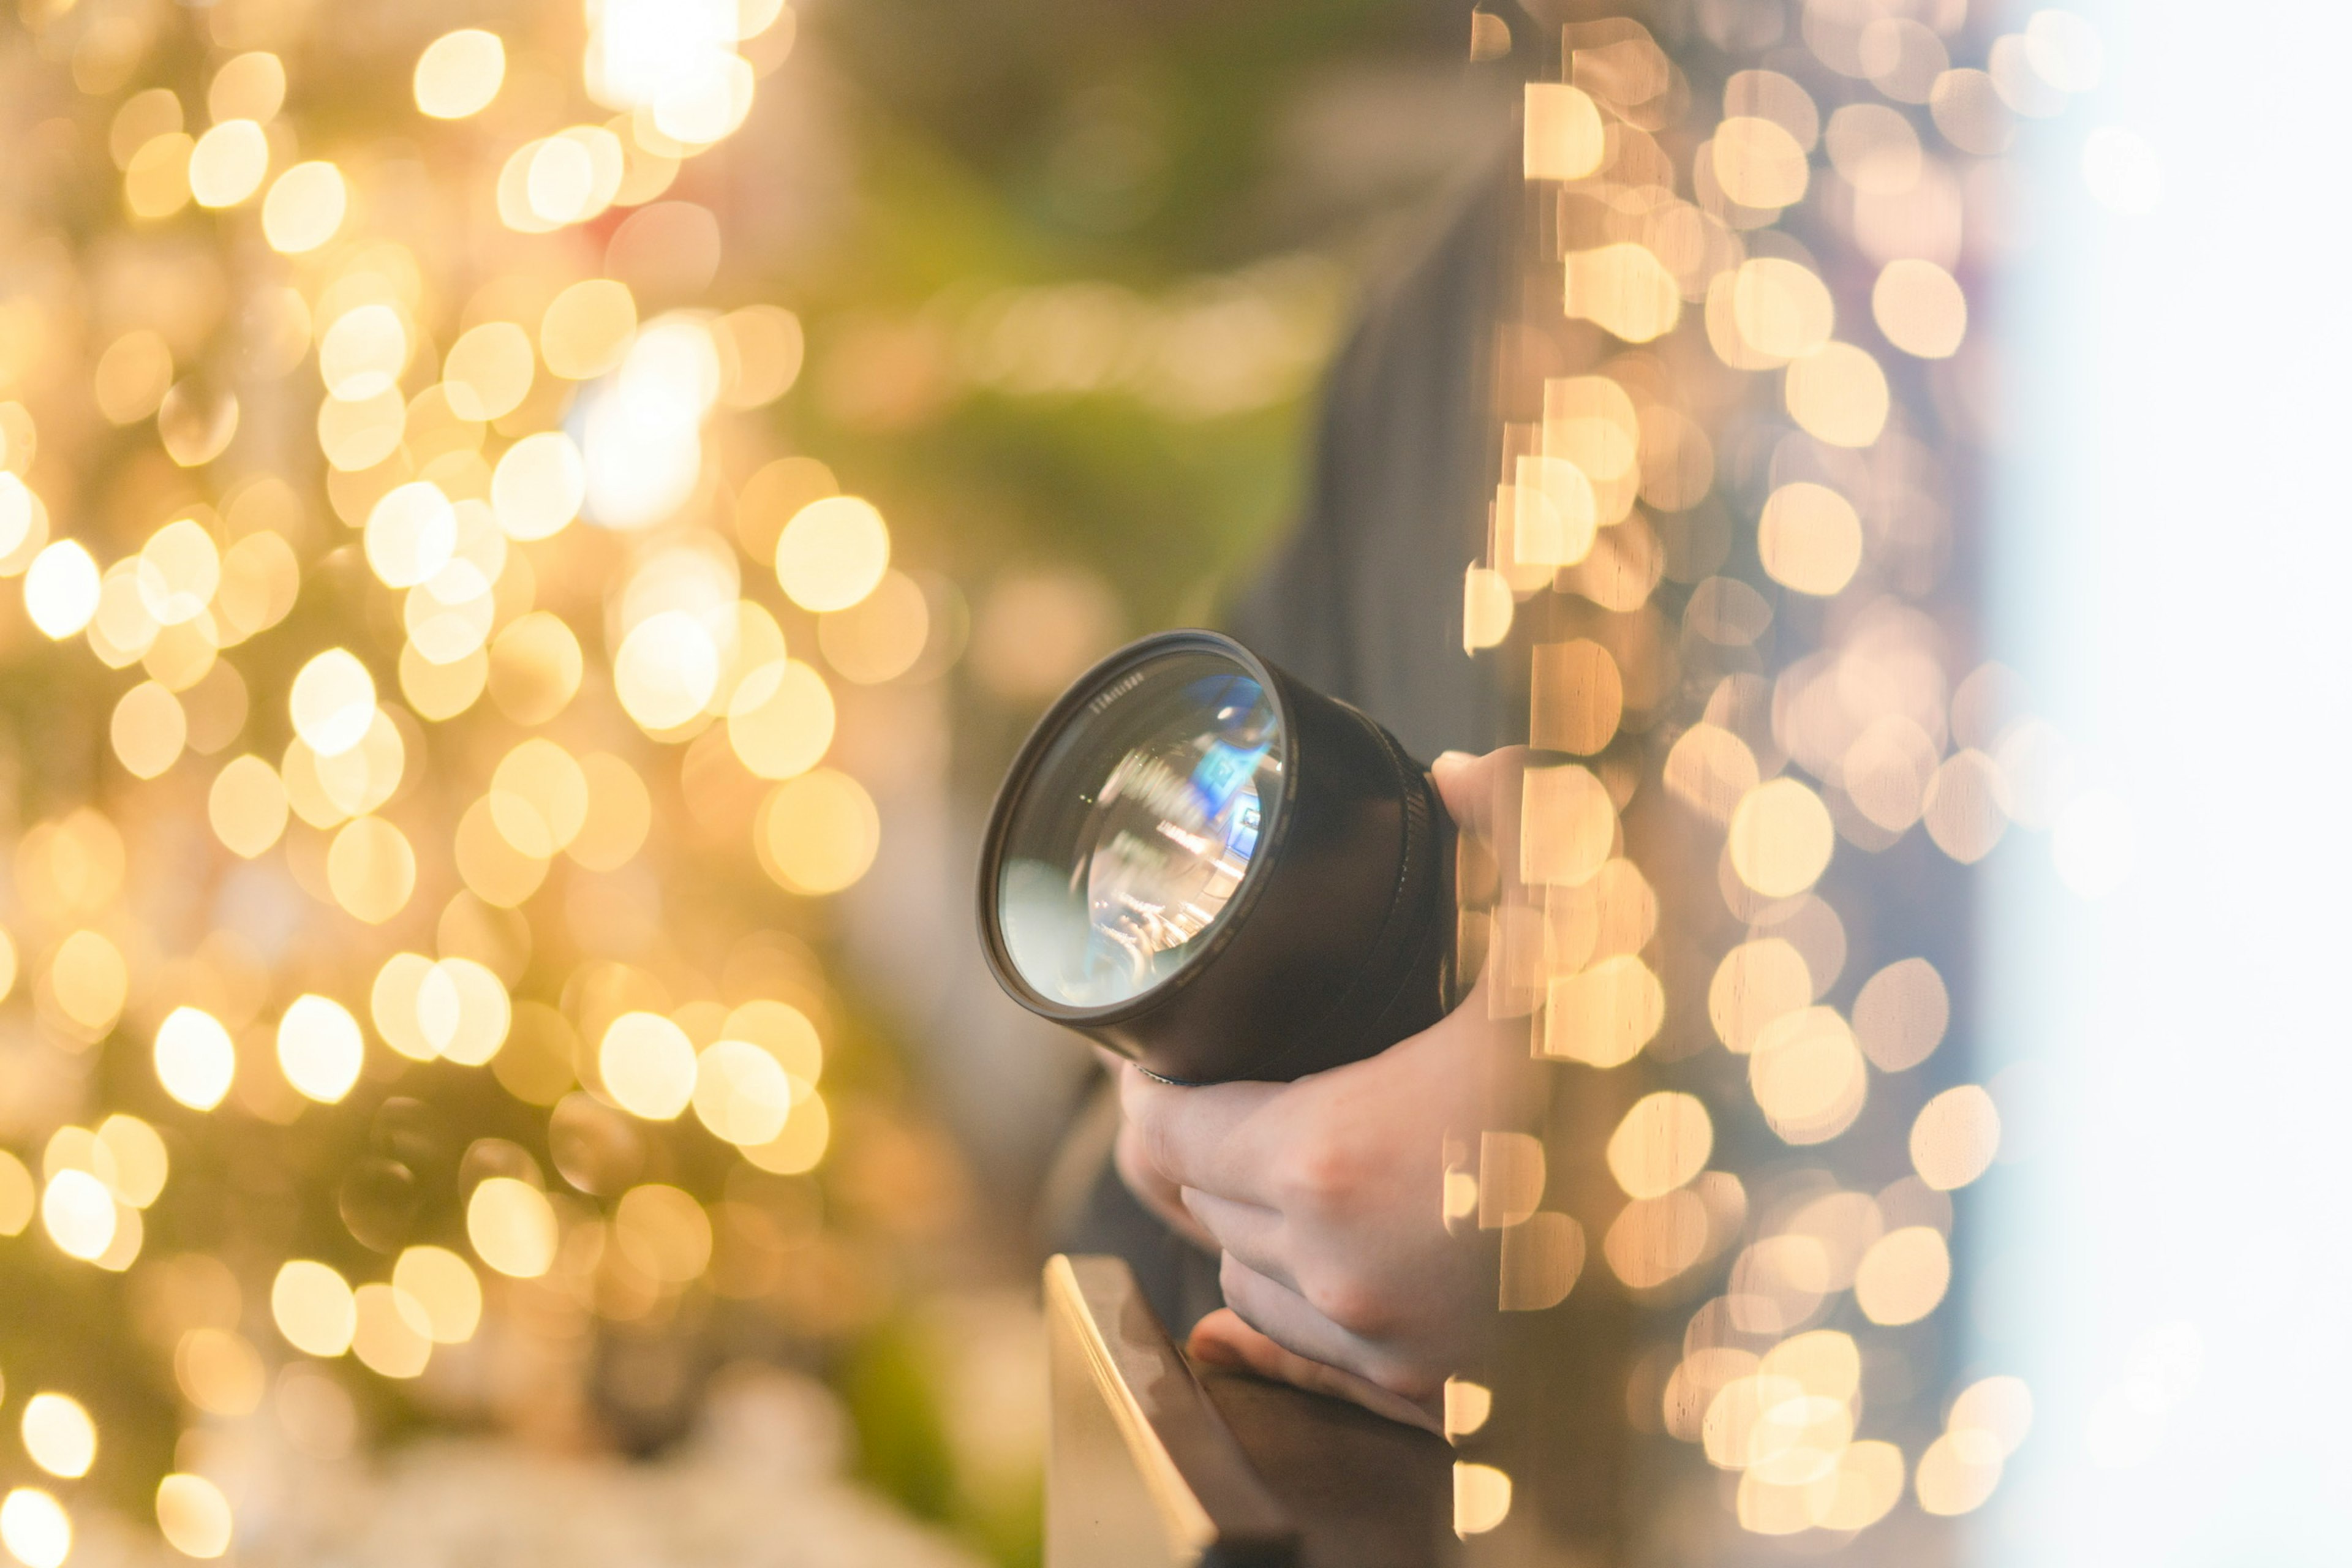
1326,1195
1155,1192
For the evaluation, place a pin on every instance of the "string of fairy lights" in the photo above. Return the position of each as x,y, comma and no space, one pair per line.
1734,412
432,671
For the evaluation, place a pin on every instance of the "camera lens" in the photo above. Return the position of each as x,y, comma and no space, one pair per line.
1138,828
1216,870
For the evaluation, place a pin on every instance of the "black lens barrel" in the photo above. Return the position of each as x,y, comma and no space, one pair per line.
1339,942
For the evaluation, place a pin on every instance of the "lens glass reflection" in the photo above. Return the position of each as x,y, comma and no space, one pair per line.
1137,827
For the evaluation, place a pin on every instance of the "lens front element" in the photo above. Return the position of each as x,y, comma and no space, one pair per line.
1138,827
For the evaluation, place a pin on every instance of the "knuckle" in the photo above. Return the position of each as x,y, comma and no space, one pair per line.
1322,1174
1352,1304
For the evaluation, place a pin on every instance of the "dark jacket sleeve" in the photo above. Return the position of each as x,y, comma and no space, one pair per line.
1364,598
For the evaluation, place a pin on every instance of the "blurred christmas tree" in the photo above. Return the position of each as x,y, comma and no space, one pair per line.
419,749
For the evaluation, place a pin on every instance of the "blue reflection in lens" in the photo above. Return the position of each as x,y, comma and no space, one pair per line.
1171,813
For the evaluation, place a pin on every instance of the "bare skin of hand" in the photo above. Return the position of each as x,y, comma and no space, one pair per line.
1325,1195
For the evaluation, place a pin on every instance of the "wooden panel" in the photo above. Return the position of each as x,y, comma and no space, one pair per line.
1143,1471
1363,1491
1153,1465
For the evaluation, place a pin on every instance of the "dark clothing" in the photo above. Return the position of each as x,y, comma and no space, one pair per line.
1364,600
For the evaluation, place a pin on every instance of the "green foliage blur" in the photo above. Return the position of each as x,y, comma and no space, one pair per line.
1151,146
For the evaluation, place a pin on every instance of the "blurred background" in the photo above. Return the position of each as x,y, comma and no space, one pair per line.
530,529
535,529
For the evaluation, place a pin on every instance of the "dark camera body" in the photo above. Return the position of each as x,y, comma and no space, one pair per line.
1338,941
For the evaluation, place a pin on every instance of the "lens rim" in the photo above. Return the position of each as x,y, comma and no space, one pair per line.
1098,686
